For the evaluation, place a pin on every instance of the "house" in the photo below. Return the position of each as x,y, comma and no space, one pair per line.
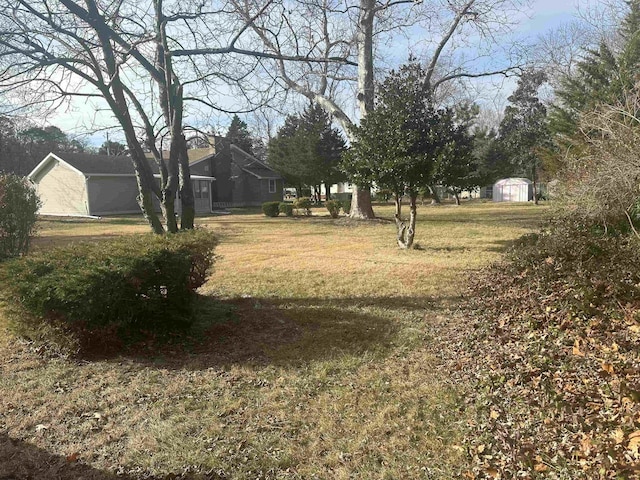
81,184
241,179
513,190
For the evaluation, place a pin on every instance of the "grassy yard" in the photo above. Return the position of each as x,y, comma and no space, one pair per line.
314,359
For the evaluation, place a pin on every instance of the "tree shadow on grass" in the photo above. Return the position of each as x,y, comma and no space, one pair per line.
47,242
286,331
283,332
501,246
21,461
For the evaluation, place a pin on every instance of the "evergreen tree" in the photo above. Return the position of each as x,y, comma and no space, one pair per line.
239,135
457,167
524,130
307,150
491,158
601,78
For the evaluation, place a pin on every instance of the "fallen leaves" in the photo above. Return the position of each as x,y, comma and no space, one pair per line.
554,349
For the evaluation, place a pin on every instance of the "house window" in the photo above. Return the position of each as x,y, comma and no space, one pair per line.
204,188
196,190
272,186
206,168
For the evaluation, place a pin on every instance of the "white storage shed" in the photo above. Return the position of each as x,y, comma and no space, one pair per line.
513,190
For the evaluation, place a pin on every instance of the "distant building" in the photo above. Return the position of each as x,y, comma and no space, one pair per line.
512,190
241,179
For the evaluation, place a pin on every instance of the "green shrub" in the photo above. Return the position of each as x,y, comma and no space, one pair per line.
346,206
286,208
97,296
303,205
271,209
19,205
333,206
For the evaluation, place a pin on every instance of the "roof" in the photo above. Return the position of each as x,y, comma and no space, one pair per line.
514,181
261,172
195,155
90,164
254,166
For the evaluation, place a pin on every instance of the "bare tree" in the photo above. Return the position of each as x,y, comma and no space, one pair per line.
344,35
53,50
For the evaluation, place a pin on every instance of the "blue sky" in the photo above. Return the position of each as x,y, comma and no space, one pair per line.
547,14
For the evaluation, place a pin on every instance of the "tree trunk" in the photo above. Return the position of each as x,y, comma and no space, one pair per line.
361,207
406,233
435,198
400,225
187,216
115,97
145,200
361,201
413,211
327,191
535,186
457,197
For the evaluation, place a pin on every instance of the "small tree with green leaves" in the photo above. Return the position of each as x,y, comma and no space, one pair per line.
399,144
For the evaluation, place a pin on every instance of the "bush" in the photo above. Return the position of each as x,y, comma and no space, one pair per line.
346,206
303,205
599,180
97,296
333,206
271,209
19,205
286,208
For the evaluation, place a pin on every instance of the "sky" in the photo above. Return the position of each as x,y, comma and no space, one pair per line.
543,16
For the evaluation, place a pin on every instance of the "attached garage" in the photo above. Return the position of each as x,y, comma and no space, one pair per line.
76,184
513,190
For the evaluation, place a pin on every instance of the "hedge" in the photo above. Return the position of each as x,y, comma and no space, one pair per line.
100,295
303,205
271,209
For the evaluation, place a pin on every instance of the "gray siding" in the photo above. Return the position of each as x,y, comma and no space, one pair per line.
113,195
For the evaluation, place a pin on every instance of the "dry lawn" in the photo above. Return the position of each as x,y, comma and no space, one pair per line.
313,359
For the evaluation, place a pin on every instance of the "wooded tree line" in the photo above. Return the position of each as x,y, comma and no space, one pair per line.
24,145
